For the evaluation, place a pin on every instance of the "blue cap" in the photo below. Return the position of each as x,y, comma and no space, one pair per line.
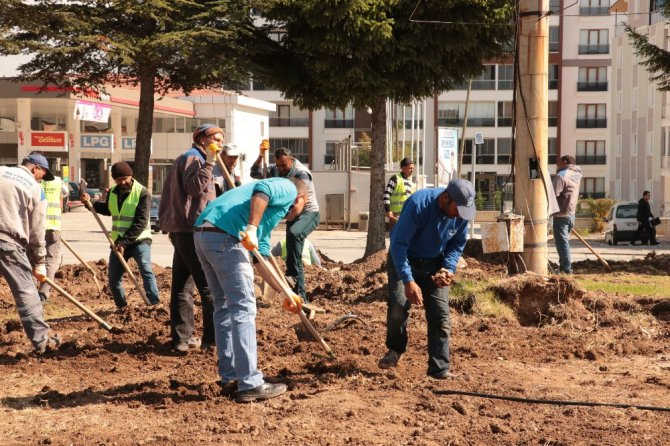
462,192
40,160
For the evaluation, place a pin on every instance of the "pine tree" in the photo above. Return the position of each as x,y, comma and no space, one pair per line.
654,58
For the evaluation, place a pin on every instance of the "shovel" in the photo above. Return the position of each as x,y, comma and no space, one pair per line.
95,278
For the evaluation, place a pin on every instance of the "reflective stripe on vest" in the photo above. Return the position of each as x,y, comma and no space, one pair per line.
123,220
52,191
400,194
306,258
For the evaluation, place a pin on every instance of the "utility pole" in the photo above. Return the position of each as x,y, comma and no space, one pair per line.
531,131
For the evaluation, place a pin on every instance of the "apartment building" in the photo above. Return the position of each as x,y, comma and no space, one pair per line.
641,131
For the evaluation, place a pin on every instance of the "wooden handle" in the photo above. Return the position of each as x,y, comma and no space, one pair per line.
86,265
79,305
226,174
603,261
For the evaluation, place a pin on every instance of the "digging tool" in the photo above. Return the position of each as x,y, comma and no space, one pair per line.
603,261
79,305
224,169
119,256
95,278
283,288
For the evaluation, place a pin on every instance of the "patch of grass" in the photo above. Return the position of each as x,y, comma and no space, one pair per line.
51,311
637,285
474,297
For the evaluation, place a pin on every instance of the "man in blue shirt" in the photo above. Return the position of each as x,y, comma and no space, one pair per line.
249,213
426,244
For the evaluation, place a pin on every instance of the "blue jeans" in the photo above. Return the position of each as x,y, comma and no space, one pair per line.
562,228
296,233
142,255
436,306
230,277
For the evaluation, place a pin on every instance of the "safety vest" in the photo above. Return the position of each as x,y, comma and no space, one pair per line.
123,220
306,257
53,191
400,194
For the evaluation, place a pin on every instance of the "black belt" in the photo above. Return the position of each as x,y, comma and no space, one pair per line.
210,229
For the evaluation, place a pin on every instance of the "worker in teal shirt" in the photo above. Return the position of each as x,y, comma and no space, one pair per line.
237,222
426,244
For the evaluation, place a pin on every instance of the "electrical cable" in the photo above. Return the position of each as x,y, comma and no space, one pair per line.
550,402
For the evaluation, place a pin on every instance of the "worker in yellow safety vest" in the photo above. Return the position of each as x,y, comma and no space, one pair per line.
309,254
129,204
398,189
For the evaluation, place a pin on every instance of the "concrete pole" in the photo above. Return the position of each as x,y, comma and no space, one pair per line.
531,131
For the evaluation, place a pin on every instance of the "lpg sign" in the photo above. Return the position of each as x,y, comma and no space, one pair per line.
96,141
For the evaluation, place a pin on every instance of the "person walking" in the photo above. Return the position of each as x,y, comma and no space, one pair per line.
426,244
644,218
186,193
23,209
566,187
237,222
399,187
286,166
129,204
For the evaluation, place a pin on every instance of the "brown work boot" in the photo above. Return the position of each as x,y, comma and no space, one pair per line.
389,360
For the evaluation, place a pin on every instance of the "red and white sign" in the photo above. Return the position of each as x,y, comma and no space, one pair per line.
56,141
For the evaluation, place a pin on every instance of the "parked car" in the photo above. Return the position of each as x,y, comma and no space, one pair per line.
621,223
72,200
155,203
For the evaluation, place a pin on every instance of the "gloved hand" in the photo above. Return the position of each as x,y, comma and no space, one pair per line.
265,146
292,303
212,151
249,238
40,272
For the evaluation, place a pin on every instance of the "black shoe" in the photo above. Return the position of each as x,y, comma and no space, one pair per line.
632,243
263,392
444,374
654,243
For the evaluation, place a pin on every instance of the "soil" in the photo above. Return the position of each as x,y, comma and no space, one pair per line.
127,388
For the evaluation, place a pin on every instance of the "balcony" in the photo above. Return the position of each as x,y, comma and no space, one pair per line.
505,84
289,122
591,123
505,122
339,123
591,159
591,86
593,10
594,49
504,159
450,122
481,122
478,84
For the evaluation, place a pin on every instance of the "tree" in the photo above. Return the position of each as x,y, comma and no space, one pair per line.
655,59
160,45
332,53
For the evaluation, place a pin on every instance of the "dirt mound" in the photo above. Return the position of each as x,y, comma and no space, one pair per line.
652,264
538,300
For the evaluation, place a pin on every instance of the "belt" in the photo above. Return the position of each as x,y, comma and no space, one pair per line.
209,229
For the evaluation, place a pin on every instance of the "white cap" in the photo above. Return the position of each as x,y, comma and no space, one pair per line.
231,150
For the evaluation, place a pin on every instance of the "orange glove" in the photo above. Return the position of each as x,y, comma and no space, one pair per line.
212,151
249,238
265,146
40,272
292,303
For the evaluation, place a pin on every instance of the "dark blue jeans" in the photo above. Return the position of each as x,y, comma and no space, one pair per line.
436,306
562,228
296,233
142,255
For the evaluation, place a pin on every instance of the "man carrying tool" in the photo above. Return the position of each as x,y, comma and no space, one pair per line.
23,208
399,187
185,194
644,218
229,155
566,187
249,212
53,190
297,230
426,244
129,204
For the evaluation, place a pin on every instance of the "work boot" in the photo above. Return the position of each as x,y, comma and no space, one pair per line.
183,346
51,343
263,392
389,360
655,242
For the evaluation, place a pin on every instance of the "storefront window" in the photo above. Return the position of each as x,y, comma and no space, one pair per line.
48,123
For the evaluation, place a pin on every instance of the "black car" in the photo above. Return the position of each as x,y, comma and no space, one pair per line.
155,202
72,199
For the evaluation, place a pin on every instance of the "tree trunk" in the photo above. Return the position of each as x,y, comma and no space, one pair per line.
376,240
144,127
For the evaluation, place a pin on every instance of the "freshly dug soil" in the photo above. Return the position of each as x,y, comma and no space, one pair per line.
127,388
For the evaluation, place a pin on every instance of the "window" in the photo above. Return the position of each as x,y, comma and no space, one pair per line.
591,152
340,118
329,156
592,79
505,114
553,76
554,5
486,80
554,39
552,116
593,7
48,123
504,155
485,152
594,41
450,113
505,77
164,125
591,116
592,187
552,150
297,146
481,114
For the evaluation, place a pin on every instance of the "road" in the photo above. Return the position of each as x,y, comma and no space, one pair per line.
82,231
